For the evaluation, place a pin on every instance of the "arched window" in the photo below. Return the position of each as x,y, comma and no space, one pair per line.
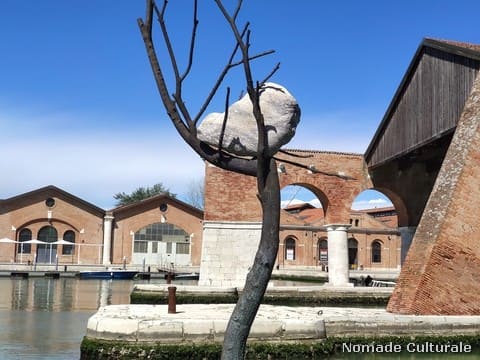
376,251
48,234
290,249
24,235
69,236
323,251
46,253
161,232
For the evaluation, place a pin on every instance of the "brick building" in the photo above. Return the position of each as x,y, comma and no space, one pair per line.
159,231
373,239
233,220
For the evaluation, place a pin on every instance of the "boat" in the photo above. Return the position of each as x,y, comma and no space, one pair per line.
183,276
187,276
114,274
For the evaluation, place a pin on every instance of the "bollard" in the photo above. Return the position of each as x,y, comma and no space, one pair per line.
65,268
172,300
169,277
149,269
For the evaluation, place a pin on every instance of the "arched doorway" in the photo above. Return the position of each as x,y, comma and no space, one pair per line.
352,253
323,253
47,253
290,248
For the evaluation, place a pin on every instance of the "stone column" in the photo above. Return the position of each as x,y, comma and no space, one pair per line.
107,239
338,272
406,236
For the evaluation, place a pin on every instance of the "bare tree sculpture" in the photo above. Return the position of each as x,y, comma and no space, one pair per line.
262,165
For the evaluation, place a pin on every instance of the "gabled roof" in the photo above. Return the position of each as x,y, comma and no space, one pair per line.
467,50
153,201
31,197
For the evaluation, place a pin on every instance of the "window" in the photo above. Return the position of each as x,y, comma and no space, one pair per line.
323,251
140,246
376,251
48,234
161,232
290,249
70,237
183,248
24,235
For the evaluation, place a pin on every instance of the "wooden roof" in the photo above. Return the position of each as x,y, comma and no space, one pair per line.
429,100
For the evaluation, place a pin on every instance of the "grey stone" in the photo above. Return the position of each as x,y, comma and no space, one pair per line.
281,115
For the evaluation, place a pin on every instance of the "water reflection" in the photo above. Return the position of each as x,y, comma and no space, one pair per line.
62,294
44,318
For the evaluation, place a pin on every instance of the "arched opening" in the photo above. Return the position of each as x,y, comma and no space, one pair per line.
69,236
376,251
352,253
290,249
162,244
304,202
47,253
375,226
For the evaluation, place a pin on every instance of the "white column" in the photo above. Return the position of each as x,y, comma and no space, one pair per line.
338,274
107,239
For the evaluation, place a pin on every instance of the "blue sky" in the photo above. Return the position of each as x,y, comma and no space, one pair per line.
79,108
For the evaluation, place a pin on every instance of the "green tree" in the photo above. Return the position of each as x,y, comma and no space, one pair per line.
142,193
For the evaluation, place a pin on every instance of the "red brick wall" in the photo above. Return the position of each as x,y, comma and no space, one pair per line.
67,214
143,214
232,197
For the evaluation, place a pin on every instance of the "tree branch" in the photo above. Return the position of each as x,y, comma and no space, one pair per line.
313,169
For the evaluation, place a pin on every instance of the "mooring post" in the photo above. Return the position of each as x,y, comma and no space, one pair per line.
172,300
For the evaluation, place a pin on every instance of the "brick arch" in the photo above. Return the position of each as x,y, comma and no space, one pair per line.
397,201
185,226
339,177
39,221
315,190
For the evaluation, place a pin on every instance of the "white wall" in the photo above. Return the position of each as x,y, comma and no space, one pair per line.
228,252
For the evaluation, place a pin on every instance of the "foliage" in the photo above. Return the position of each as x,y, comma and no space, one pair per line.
195,193
292,299
104,349
141,193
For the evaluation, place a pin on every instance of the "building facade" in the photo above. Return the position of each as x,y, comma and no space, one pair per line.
50,225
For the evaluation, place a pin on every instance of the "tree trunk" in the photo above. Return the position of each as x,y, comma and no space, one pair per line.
244,313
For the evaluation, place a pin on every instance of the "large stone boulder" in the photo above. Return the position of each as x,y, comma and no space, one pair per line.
281,115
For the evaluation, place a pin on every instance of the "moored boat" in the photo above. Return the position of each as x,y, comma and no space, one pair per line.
108,274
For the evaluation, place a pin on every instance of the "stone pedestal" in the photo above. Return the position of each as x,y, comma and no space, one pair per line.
338,272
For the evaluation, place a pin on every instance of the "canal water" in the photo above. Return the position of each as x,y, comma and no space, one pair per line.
44,318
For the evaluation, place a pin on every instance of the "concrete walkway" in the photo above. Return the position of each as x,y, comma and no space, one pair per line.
201,323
